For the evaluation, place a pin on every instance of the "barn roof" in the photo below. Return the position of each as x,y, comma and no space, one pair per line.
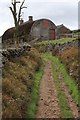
44,19
61,26
23,28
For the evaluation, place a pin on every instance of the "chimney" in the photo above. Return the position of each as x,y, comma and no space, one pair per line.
30,18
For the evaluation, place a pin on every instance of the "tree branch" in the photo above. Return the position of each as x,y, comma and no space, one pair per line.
19,15
11,10
16,16
24,7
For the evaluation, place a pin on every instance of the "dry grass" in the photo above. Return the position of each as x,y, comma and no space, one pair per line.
70,58
18,83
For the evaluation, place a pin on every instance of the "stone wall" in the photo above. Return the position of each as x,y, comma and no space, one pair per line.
10,53
56,48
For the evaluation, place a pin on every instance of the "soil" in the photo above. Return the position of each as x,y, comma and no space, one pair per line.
47,106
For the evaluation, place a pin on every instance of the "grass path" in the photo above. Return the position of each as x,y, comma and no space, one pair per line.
56,94
70,103
67,91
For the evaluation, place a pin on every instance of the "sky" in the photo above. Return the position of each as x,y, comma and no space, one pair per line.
59,11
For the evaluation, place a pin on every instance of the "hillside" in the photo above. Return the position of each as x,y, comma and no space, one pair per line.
30,90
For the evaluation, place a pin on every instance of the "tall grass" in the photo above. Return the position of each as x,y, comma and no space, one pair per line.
31,110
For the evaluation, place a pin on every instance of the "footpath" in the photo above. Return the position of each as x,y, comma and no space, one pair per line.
48,104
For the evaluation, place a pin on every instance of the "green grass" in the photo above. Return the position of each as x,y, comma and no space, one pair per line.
34,96
61,41
72,87
64,108
71,84
76,34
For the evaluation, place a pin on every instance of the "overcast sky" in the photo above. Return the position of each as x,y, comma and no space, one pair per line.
59,11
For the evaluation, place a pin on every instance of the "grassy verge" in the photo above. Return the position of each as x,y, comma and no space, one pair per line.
34,96
71,84
61,41
72,87
64,108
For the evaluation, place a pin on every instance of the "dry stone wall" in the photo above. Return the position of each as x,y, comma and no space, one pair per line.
13,52
57,48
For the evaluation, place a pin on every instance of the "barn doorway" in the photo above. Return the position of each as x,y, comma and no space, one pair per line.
52,33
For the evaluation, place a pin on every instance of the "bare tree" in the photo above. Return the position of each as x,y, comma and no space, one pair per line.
16,16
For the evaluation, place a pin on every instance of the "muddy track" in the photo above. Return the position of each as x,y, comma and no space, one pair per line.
48,102
47,106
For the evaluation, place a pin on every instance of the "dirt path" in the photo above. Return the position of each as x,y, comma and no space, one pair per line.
48,102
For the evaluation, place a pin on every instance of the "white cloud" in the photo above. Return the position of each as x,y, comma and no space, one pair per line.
59,11
53,1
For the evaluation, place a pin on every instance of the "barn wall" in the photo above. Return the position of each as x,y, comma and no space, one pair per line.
62,30
43,30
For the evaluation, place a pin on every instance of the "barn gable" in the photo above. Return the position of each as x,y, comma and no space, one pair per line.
61,30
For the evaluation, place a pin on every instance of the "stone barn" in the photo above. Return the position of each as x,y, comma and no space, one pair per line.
62,31
42,29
